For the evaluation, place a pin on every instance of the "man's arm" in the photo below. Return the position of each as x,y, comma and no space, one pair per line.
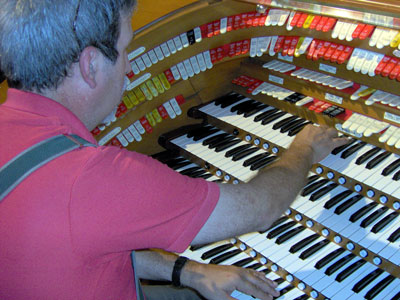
214,282
255,205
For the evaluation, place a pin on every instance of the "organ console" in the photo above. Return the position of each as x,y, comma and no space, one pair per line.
219,89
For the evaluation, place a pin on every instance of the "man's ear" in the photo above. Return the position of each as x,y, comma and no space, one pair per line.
88,65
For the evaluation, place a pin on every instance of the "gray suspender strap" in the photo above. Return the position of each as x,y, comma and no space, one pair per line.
139,292
18,168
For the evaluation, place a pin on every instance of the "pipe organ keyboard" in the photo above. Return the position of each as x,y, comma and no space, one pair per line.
223,91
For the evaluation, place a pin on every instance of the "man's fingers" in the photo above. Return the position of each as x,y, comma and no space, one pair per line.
259,286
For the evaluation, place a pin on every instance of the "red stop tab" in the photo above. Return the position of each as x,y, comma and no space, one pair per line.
279,44
329,24
389,66
245,47
315,22
293,44
286,45
180,99
217,27
382,65
250,19
96,131
170,77
163,112
356,33
130,75
337,53
301,20
116,143
295,19
321,23
229,24
366,32
146,125
344,56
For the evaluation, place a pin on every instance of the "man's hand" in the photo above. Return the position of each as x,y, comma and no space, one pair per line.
217,282
320,139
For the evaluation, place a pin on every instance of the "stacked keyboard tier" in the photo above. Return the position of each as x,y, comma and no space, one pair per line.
333,238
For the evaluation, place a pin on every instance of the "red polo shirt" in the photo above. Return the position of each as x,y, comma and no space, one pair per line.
66,232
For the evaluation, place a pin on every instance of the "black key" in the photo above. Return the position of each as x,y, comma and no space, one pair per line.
278,222
198,174
350,270
390,168
302,297
313,187
282,228
224,146
206,176
205,134
254,266
367,155
377,160
359,286
189,171
285,290
223,257
285,128
288,235
339,149
283,122
263,163
178,165
243,111
255,158
396,176
227,100
394,236
298,128
312,178
243,262
197,247
347,204
236,150
238,107
338,264
384,222
337,199
244,154
379,287
255,110
362,211
328,258
265,114
323,191
272,118
214,138
373,216
221,141
313,249
346,153
215,251
279,280
200,131
303,243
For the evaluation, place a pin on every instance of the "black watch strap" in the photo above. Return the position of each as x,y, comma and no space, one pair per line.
176,272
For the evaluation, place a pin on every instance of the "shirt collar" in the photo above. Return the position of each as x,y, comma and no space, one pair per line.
46,107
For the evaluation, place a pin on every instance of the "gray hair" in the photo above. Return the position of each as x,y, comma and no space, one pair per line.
41,39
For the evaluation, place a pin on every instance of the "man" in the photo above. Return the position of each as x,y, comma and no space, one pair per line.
68,229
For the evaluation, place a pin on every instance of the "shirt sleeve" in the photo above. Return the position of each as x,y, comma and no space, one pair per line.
123,200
